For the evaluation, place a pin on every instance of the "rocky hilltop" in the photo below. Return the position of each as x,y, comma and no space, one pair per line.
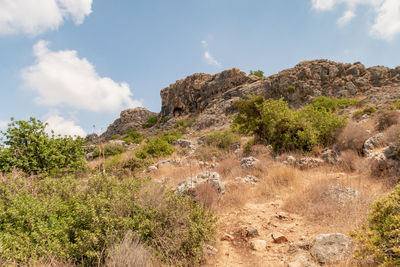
209,98
129,119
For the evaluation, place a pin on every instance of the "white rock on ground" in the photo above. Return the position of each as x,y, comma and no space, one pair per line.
331,248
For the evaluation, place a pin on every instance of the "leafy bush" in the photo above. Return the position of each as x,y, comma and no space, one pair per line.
115,137
150,122
247,147
258,73
291,89
164,120
170,136
133,137
379,236
333,104
108,149
78,220
155,147
222,139
285,129
182,125
366,111
27,146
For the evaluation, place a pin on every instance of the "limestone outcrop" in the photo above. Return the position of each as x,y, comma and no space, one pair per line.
129,119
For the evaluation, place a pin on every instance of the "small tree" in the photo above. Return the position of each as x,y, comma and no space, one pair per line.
28,147
258,73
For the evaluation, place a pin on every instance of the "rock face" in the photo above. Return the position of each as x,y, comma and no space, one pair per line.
210,97
128,120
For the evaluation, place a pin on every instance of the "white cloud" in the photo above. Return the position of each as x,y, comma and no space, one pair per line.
387,22
62,78
207,55
210,59
387,14
346,18
63,126
3,124
34,17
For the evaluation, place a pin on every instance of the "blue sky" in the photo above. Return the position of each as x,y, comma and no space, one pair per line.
78,63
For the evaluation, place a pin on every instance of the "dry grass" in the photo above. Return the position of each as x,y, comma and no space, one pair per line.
206,195
352,162
320,205
279,180
128,253
391,134
352,137
387,119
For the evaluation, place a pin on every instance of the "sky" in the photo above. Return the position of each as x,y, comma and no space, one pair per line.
76,64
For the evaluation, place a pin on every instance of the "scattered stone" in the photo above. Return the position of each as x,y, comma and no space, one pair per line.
186,144
210,250
291,160
252,232
258,245
331,248
330,156
248,179
89,149
205,164
341,194
371,144
308,163
279,238
150,169
212,178
201,140
248,162
227,237
89,156
302,259
168,162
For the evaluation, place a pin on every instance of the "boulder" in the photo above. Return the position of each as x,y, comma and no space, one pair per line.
372,143
330,156
189,184
331,248
248,162
129,119
308,162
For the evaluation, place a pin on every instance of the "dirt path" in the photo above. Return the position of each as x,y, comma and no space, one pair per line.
266,218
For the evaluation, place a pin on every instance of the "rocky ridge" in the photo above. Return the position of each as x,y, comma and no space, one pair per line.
209,98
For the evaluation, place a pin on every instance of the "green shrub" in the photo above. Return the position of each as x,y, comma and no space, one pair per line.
333,104
133,137
291,88
258,73
108,149
27,146
182,125
379,237
273,122
249,144
164,119
170,136
366,111
222,139
115,137
78,220
150,122
155,147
